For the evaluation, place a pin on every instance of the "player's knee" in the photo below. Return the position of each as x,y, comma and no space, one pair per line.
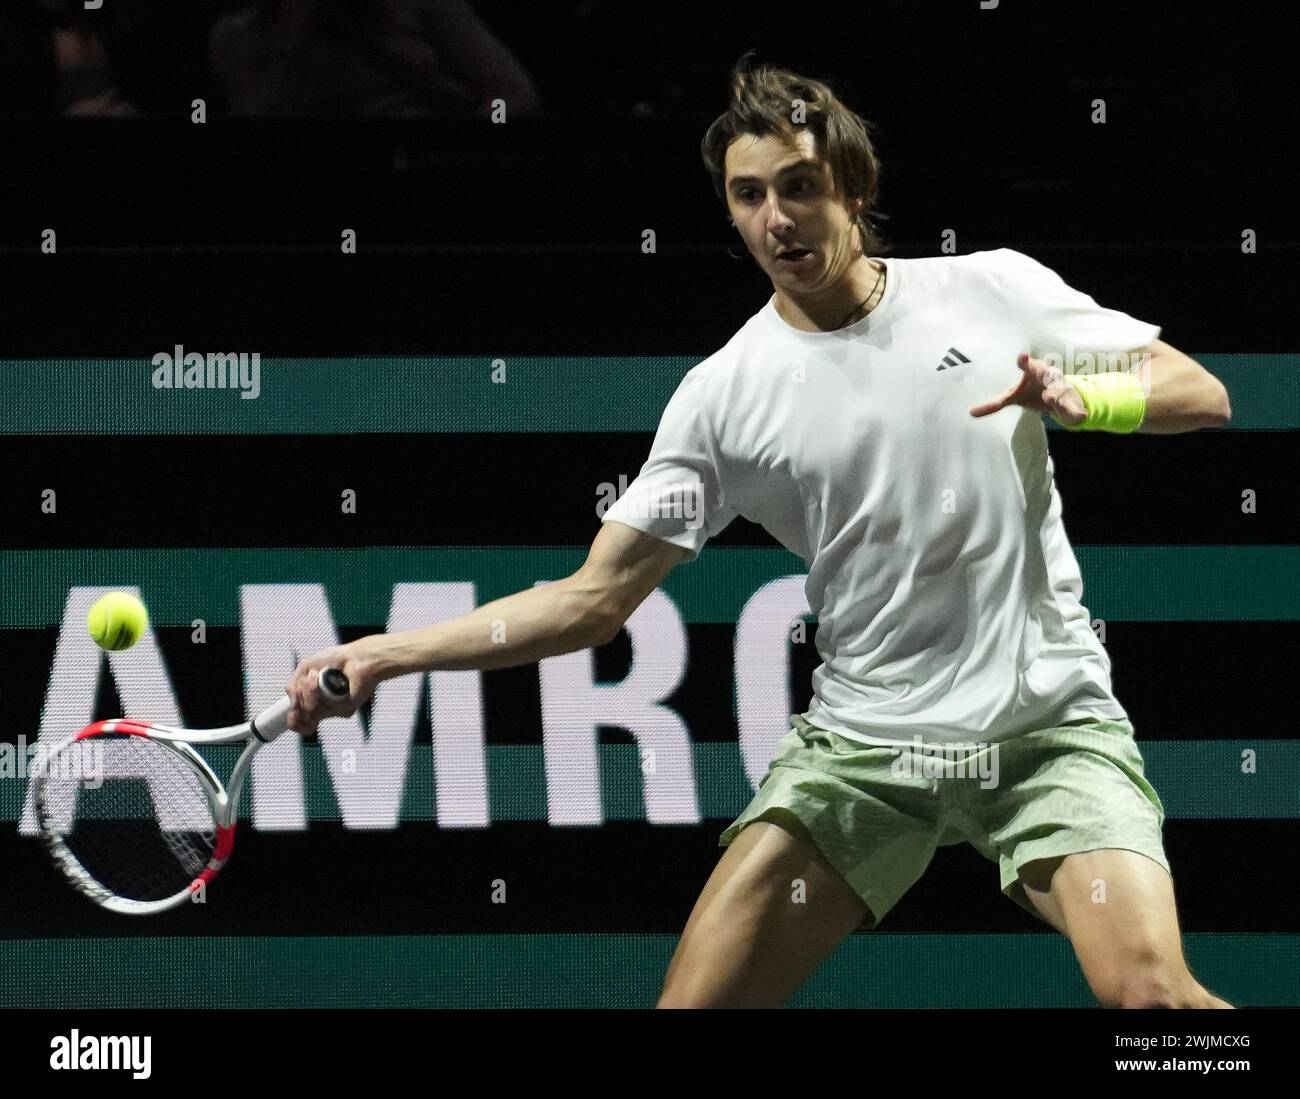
694,985
676,994
1153,986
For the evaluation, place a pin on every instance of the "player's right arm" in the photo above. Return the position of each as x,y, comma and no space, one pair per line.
580,611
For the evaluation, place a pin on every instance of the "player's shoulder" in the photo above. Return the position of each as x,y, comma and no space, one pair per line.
703,384
1000,272
988,261
1008,264
945,272
714,372
708,372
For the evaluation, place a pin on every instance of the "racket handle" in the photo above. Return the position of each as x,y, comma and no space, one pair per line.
274,720
334,684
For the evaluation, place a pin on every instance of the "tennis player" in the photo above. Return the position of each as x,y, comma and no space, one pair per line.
882,419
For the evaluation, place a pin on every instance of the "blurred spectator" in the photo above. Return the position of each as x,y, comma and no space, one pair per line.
127,57
85,82
373,57
54,58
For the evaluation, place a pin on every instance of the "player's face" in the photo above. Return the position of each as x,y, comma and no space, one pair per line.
782,198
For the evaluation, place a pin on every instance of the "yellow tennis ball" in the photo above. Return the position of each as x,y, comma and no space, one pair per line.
117,621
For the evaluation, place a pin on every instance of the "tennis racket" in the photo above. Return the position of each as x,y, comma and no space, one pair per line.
159,826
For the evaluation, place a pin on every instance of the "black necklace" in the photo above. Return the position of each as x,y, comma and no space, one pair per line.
866,299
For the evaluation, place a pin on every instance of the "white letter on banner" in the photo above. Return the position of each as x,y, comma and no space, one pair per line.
762,663
280,624
573,705
455,706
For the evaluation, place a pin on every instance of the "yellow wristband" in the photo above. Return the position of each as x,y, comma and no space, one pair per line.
1115,402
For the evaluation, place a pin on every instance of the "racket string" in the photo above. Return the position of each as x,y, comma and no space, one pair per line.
142,828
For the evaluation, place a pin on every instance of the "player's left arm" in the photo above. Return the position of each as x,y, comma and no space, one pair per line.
1184,395
1178,392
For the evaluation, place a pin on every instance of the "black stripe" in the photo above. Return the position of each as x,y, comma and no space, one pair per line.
621,877
290,188
1177,680
541,489
375,304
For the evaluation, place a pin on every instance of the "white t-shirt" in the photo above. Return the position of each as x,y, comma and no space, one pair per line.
946,592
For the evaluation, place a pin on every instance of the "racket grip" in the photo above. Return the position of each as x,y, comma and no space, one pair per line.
334,684
274,720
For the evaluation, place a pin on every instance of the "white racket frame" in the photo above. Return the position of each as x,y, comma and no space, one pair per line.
224,803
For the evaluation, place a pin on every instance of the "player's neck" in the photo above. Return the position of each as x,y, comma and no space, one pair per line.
851,299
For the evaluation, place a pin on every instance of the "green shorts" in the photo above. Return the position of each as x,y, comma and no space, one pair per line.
1058,791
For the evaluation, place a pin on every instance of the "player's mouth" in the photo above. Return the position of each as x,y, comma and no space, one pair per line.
792,256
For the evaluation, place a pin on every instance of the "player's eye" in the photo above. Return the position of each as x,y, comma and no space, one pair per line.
747,191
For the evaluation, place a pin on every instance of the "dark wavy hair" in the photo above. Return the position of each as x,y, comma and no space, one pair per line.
762,101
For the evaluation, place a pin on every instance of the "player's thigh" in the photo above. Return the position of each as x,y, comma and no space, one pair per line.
772,910
1119,913
1040,898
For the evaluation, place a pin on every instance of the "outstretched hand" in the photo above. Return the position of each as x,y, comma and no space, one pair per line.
310,706
1042,388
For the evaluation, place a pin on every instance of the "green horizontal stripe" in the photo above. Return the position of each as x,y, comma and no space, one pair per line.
583,971
332,396
1195,779
419,394
1122,583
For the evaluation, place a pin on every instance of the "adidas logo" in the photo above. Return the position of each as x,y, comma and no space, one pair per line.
953,358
